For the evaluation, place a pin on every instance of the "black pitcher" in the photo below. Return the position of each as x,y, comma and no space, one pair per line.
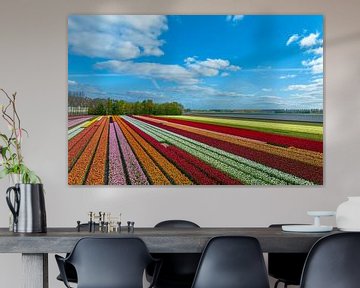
28,208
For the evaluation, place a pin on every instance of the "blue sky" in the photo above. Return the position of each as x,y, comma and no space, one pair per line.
203,62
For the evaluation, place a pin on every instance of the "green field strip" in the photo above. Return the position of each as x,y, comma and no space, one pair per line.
75,130
288,128
74,133
77,127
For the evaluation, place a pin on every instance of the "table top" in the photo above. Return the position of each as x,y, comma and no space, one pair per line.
158,240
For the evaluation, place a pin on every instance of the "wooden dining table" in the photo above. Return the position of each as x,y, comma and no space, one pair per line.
35,247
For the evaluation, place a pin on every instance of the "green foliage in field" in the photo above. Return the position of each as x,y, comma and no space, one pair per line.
109,106
312,131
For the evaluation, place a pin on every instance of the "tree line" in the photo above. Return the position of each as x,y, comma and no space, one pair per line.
109,106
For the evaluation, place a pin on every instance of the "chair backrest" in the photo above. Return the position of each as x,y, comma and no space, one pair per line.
110,262
177,268
232,262
333,262
176,224
286,266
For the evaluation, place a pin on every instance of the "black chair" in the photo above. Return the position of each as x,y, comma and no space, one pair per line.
178,269
333,262
69,269
286,267
232,262
108,263
176,224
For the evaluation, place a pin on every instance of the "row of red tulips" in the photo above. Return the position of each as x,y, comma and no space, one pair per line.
279,140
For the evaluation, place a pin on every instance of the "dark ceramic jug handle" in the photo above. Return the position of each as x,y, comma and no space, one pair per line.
13,208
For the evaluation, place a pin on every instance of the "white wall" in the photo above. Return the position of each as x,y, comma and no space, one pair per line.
33,62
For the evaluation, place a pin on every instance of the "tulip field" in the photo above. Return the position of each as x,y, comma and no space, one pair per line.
192,150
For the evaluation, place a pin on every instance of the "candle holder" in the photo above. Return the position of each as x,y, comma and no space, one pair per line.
315,227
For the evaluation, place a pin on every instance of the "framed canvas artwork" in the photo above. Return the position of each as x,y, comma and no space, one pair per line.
195,100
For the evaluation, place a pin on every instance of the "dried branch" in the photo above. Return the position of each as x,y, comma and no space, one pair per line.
12,159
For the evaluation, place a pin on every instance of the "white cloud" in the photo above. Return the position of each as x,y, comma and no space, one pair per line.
316,51
312,44
288,76
271,99
193,88
269,69
292,39
209,67
120,37
306,98
316,65
310,40
305,101
143,95
72,82
89,90
190,59
307,42
206,91
173,73
187,74
234,18
266,89
306,95
314,86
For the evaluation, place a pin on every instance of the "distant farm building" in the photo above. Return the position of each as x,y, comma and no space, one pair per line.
78,110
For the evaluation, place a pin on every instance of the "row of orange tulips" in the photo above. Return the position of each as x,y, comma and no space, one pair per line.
78,172
96,174
77,144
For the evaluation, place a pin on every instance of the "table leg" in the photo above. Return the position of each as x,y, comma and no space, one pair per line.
35,270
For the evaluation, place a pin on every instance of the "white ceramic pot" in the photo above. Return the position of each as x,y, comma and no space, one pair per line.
348,215
15,179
